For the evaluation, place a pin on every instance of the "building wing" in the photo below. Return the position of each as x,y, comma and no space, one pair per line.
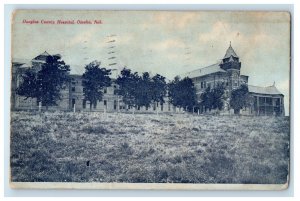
214,68
271,90
20,61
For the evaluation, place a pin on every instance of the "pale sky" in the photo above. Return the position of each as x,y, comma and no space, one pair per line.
169,43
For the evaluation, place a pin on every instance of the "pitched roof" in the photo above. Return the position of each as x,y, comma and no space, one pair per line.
214,68
230,52
41,58
45,54
25,66
272,90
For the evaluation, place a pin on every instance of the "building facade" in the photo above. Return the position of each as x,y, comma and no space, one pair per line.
266,100
72,98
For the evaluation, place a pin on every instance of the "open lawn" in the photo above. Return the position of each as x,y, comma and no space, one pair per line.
179,148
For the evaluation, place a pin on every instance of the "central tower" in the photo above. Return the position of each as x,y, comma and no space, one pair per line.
232,65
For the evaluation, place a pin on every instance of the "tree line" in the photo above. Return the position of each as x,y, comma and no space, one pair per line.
135,90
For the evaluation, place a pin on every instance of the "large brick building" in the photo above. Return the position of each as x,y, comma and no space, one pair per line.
72,97
266,100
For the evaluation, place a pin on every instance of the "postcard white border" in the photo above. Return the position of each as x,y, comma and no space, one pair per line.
147,186
9,8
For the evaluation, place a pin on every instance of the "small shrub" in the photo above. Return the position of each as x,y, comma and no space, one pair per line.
155,120
195,129
97,129
176,159
126,149
161,174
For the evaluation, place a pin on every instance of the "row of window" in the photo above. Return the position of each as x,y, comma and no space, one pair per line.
121,107
204,85
266,101
104,90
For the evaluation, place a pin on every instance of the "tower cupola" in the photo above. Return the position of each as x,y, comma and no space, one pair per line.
230,60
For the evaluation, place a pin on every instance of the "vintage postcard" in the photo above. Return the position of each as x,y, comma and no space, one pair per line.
150,100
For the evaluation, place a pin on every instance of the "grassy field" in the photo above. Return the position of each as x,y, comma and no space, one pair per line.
179,148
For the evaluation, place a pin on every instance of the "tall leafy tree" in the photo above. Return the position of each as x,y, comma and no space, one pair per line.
173,91
46,84
218,96
94,80
213,98
240,98
182,93
29,86
128,85
188,93
138,91
143,90
207,98
158,89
